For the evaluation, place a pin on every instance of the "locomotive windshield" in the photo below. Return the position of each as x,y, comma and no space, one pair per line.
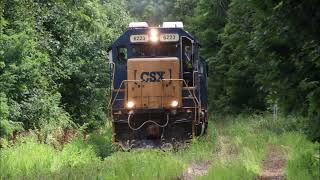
161,50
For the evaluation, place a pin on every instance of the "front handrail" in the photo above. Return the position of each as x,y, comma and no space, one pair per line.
194,98
113,65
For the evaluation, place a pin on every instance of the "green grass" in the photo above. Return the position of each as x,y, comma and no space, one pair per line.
236,148
78,160
303,157
34,160
96,158
248,137
143,164
241,150
200,148
231,171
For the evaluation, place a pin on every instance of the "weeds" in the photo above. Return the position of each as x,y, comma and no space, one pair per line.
249,137
241,151
231,171
303,157
32,159
200,148
236,149
143,164
102,142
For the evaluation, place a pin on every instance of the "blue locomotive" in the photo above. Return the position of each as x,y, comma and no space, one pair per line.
159,85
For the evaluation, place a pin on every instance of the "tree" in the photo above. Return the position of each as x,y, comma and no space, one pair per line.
53,63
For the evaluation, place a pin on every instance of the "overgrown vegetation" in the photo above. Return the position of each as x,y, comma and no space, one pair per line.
262,54
243,143
54,71
235,149
53,67
96,158
54,79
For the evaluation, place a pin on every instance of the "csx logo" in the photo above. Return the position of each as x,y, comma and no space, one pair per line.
152,76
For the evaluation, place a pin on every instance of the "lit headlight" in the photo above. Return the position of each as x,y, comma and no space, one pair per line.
154,35
130,104
174,103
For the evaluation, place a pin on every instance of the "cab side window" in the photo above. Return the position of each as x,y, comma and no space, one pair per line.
122,56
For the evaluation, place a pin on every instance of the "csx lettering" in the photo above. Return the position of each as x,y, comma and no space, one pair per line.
152,76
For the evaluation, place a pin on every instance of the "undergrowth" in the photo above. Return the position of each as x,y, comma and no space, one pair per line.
31,159
242,144
241,150
97,158
303,157
200,148
235,147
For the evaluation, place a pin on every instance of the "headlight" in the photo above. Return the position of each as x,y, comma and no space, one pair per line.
174,103
130,104
154,35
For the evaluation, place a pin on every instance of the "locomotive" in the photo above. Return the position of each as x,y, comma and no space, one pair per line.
158,85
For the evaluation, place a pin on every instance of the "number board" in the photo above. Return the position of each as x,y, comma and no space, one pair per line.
139,38
169,37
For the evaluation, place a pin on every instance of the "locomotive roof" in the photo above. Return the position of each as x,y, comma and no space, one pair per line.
124,39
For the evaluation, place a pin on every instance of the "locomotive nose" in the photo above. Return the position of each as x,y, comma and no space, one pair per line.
153,83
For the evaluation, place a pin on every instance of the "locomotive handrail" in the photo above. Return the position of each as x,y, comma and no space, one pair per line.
118,90
194,93
195,100
185,84
124,81
113,65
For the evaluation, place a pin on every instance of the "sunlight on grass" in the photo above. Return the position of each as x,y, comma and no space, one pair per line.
247,137
235,148
241,150
142,164
200,148
97,158
303,157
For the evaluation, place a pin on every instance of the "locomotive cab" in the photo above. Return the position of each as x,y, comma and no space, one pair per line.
159,85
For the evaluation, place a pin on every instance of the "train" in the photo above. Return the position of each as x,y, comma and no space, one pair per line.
159,85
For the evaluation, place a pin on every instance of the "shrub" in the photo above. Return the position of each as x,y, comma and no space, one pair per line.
102,142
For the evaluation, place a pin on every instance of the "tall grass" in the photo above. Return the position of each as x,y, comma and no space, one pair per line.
241,150
143,164
201,148
303,157
101,142
36,160
248,137
78,160
97,158
236,149
231,171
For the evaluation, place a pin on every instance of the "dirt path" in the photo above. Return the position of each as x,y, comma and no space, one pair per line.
273,164
195,169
